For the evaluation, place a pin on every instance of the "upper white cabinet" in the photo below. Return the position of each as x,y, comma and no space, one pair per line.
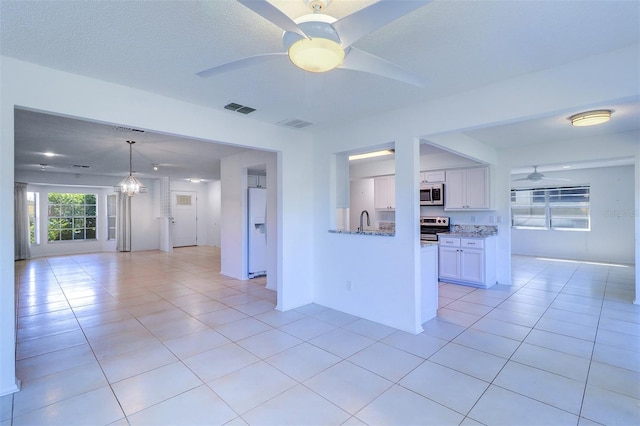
256,181
467,189
384,190
432,176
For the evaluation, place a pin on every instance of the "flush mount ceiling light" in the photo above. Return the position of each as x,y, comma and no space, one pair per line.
195,180
130,185
590,118
371,154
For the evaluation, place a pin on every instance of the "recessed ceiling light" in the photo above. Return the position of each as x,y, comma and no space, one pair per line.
591,118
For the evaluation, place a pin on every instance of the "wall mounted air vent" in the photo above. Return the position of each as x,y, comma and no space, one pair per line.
296,123
242,109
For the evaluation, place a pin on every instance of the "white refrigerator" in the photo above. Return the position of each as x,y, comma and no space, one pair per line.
257,232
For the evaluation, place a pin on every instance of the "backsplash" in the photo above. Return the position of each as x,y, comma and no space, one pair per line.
475,229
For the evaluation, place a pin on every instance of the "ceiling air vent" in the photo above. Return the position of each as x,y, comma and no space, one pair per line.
127,129
296,123
242,109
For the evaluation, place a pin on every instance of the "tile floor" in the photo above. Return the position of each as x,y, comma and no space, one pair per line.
152,338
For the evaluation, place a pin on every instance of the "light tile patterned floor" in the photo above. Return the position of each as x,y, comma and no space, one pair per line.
156,338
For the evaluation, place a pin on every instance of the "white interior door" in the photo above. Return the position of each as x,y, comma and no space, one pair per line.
185,218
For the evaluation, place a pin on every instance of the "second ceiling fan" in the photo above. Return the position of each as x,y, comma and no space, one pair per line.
318,43
536,176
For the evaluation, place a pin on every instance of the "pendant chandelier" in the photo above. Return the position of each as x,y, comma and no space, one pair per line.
130,185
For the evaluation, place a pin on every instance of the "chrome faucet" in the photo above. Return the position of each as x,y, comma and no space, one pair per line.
361,229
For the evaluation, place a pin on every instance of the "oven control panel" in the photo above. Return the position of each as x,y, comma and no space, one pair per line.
437,221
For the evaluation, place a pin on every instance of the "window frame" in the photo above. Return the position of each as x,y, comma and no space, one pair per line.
112,203
543,197
33,203
70,218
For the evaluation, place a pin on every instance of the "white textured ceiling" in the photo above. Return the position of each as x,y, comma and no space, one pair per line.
159,46
89,148
455,45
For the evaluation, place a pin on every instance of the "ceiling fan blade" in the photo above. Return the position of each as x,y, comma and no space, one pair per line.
359,60
353,27
273,14
554,178
241,63
516,180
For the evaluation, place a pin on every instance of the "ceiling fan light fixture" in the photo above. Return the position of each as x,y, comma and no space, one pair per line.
316,54
590,118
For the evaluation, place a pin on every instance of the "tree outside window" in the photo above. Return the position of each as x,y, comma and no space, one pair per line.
72,217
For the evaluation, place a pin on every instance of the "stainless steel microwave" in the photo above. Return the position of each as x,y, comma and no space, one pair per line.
432,194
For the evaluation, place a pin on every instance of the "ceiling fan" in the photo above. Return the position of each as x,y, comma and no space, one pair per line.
536,176
318,43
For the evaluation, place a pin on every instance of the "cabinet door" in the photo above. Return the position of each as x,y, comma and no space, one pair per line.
454,189
252,181
433,176
384,193
472,265
477,188
391,182
448,262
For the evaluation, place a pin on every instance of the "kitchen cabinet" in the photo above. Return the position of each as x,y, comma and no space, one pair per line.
433,176
467,189
469,261
384,192
256,181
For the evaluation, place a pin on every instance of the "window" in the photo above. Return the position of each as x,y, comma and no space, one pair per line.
33,204
111,216
551,208
72,217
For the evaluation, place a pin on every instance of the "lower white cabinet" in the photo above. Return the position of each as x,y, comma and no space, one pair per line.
469,261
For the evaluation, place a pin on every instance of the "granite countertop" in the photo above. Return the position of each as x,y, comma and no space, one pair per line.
472,231
376,232
468,234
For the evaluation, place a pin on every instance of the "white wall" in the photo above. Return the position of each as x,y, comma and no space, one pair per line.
214,207
387,269
42,89
609,240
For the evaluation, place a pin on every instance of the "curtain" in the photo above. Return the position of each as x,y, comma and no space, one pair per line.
21,218
123,223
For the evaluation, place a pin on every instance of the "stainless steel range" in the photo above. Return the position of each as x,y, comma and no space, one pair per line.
431,225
